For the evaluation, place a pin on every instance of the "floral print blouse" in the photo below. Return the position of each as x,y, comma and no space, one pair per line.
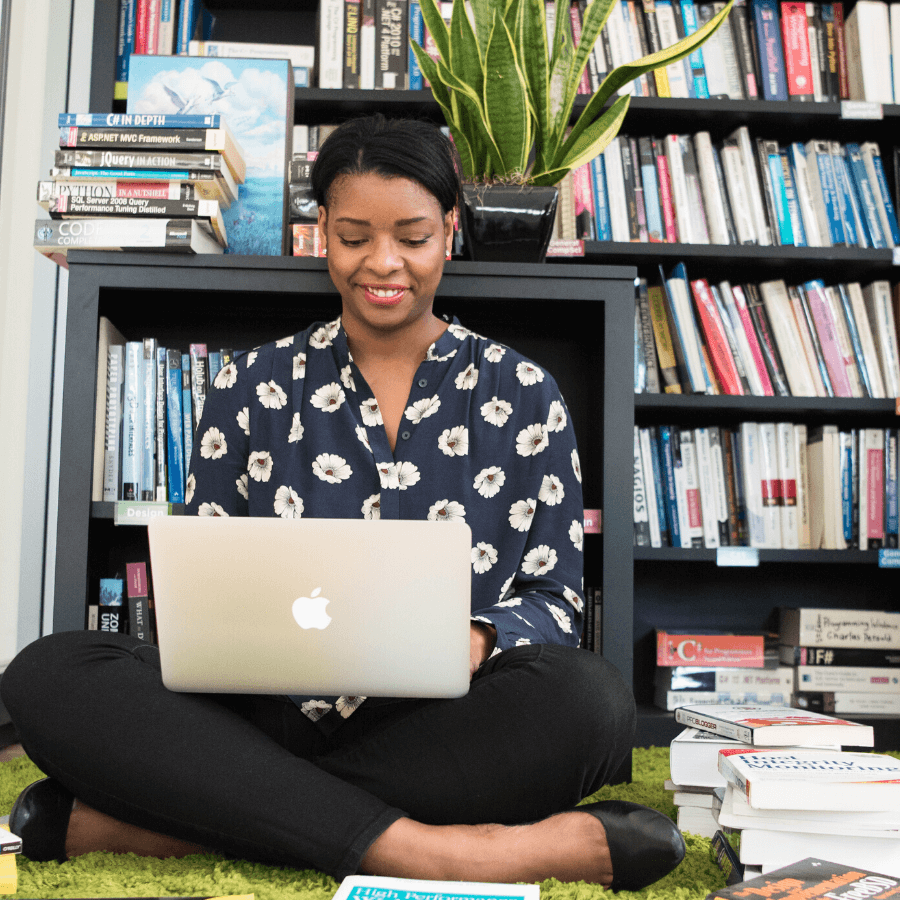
292,429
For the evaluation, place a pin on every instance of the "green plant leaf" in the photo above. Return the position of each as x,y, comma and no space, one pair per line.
482,11
466,59
506,104
437,27
594,138
537,67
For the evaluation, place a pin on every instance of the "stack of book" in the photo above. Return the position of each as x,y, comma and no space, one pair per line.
844,661
767,339
139,182
304,212
778,776
149,401
684,188
771,485
712,667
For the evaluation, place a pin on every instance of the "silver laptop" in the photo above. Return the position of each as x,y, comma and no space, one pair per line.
312,606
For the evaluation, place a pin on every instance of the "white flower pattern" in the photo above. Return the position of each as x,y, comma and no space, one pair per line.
454,441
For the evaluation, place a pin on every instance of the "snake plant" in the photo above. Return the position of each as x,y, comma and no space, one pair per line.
508,95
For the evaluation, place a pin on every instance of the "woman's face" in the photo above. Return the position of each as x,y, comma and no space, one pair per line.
386,240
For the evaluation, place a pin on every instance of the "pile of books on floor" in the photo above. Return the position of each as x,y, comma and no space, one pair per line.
767,339
139,182
152,398
778,784
713,667
843,661
775,485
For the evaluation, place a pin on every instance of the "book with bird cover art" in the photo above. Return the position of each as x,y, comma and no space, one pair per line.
255,98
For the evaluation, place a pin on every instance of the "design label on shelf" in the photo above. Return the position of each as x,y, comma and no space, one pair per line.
134,512
889,558
737,556
861,109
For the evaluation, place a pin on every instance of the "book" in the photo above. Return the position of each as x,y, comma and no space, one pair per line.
256,223
848,703
811,878
709,649
175,458
868,39
391,44
108,408
883,680
54,238
787,338
813,779
796,46
369,887
815,627
735,812
771,51
694,754
776,726
9,843
111,613
138,591
207,212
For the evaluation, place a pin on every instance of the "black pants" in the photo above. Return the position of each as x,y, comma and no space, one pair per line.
541,728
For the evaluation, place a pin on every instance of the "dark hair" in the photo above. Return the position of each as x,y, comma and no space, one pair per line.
392,148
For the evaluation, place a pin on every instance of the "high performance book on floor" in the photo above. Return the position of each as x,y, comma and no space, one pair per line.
775,726
373,887
813,779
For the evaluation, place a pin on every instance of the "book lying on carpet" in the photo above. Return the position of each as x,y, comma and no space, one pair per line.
809,879
813,779
777,726
9,879
694,756
374,887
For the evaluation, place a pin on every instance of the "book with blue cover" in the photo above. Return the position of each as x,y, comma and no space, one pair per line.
174,427
255,98
767,22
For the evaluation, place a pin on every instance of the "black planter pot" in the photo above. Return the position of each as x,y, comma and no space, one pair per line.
507,222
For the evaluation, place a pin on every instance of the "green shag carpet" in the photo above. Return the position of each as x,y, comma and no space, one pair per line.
110,875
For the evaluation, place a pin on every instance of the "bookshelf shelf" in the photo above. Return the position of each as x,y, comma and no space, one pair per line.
792,557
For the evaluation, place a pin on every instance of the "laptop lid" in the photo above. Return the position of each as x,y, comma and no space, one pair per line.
312,606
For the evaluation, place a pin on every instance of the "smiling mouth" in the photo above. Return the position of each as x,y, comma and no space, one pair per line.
384,296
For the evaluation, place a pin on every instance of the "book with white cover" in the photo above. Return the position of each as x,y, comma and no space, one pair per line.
787,474
770,482
738,198
694,757
813,779
866,339
376,887
754,185
779,848
751,472
787,337
868,42
615,189
815,627
776,726
736,812
877,296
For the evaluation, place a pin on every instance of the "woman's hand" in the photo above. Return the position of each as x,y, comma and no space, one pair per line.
483,638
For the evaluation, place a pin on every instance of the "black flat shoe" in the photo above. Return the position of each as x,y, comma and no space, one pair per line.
40,816
644,844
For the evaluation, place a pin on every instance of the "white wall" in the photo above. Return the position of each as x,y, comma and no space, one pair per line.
45,51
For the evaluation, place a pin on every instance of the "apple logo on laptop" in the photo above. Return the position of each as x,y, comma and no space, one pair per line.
309,612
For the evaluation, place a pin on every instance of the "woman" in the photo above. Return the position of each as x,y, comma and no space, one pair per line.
386,412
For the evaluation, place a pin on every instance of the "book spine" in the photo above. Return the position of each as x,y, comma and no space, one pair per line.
187,22
132,422
891,493
716,341
175,427
601,200
199,379
111,610
668,436
825,328
695,59
787,473
148,411
647,338
417,34
115,385
641,513
162,487
707,491
330,49
665,194
656,470
663,340
766,22
763,330
125,43
392,38
795,35
187,412
691,490
106,159
352,17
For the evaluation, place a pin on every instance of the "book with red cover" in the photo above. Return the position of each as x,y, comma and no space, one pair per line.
697,649
795,38
716,339
839,33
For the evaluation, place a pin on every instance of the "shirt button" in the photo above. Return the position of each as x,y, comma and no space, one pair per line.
406,435
423,382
